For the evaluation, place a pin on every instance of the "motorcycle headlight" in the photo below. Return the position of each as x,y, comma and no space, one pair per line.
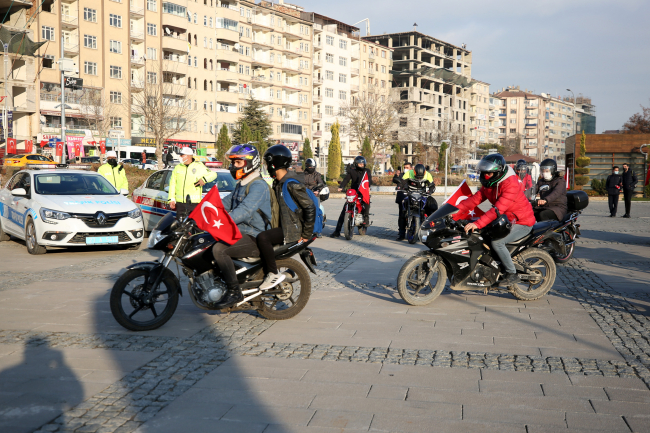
350,198
155,237
135,213
424,234
49,214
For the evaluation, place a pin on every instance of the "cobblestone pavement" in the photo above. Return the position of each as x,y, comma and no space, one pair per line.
183,361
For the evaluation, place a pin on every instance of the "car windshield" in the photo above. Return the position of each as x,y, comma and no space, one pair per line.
224,182
72,184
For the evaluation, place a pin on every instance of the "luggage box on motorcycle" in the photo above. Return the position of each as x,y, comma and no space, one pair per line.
576,200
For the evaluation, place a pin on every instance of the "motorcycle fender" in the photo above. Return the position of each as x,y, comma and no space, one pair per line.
151,267
307,257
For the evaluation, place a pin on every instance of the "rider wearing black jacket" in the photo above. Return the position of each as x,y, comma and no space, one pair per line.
552,203
354,177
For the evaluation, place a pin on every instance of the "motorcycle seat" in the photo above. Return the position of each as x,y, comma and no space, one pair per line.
567,217
277,249
543,226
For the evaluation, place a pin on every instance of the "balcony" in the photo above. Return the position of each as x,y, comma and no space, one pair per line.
316,116
172,20
318,63
174,43
317,45
69,21
228,75
371,55
137,61
502,115
531,125
317,98
175,89
263,42
137,35
229,55
318,28
354,72
354,88
227,35
318,133
371,72
229,11
136,9
137,85
263,61
227,96
174,66
354,54
71,46
261,23
317,81
261,81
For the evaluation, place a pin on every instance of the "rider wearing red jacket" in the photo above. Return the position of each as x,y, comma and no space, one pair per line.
501,187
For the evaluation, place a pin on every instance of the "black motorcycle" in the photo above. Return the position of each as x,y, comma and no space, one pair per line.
418,204
146,296
469,262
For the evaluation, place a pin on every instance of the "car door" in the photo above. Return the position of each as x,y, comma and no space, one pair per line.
151,193
5,202
16,207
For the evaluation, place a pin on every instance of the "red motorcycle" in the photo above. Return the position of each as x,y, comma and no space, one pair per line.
353,214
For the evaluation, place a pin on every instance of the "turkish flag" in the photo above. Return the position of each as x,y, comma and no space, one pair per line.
44,143
102,147
566,179
59,149
211,216
77,149
11,146
647,177
364,188
463,192
29,146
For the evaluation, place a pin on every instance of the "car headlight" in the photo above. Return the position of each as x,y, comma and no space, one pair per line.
155,237
49,214
135,213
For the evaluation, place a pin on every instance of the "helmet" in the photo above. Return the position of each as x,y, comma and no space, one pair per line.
310,165
549,164
495,164
359,160
499,228
245,152
277,156
111,154
419,171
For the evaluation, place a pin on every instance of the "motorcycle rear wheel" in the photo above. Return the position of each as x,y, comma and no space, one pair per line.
541,263
348,226
290,297
414,230
567,236
414,281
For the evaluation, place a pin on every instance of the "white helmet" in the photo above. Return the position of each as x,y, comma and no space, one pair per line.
187,151
111,154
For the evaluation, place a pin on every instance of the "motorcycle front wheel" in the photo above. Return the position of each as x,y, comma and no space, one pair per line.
414,230
541,266
348,226
134,309
419,284
290,296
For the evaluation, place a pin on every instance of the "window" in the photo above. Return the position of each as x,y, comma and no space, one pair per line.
343,78
152,78
210,22
329,93
115,97
288,128
329,58
513,120
90,15
152,5
116,72
383,54
116,122
90,41
90,68
513,111
47,33
115,20
152,54
383,69
115,47
195,18
513,131
513,101
205,42
343,94
343,44
343,61
205,20
225,23
329,110
329,40
329,75
174,9
48,61
152,29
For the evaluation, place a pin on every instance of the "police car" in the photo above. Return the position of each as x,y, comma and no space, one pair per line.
153,200
66,208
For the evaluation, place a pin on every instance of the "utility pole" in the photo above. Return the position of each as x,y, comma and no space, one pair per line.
61,67
5,116
573,124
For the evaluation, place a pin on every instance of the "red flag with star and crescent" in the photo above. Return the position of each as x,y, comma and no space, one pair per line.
364,188
211,216
463,192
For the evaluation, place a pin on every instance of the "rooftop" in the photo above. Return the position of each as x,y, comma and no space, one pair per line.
415,32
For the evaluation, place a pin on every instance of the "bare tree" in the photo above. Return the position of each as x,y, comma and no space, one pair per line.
97,111
160,104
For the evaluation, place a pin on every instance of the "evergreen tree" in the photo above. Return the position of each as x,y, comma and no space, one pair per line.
582,162
366,152
334,155
223,144
306,152
243,135
261,144
255,119
441,157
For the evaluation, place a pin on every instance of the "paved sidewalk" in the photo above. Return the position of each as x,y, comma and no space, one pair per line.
356,359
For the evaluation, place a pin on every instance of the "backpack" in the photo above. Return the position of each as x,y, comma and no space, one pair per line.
275,208
318,222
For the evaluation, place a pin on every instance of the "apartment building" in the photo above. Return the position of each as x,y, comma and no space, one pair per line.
479,115
522,118
494,123
585,119
559,117
433,78
18,84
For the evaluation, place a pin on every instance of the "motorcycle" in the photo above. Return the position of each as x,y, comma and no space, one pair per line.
469,263
150,290
323,195
419,204
353,215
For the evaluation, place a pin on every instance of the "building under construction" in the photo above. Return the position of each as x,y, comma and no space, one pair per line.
434,78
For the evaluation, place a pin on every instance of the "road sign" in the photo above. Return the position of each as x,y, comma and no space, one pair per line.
116,133
73,83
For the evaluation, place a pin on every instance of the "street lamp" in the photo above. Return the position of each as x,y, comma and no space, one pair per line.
5,121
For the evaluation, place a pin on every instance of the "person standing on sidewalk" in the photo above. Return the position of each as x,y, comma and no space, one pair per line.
613,185
629,183
144,159
399,199
187,180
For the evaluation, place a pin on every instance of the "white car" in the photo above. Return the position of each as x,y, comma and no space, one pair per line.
66,208
153,199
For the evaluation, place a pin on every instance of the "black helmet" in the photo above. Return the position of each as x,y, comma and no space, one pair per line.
277,156
495,164
310,165
521,163
359,160
419,171
549,164
245,152
500,227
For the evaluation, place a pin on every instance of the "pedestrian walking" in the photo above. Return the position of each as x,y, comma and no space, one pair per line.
629,183
613,185
399,199
144,158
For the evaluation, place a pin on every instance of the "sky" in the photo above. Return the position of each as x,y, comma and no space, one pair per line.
597,48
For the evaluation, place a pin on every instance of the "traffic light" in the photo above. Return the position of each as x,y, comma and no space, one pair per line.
317,153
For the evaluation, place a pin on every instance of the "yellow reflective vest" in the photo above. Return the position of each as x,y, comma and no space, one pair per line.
115,175
183,179
410,175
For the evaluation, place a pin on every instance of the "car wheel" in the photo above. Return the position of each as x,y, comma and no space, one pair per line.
31,240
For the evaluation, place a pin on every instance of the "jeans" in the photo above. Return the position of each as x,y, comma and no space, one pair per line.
517,232
627,196
613,204
265,242
223,254
401,219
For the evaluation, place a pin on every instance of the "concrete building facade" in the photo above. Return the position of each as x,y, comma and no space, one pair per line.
479,116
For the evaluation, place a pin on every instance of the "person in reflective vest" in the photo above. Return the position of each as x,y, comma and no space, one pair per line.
188,179
114,172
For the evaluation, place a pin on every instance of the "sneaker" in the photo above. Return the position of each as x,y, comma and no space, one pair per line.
318,235
511,279
335,235
271,281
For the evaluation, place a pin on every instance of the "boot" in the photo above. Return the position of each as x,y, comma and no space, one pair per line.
233,296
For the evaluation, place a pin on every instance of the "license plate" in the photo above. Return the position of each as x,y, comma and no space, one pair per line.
102,240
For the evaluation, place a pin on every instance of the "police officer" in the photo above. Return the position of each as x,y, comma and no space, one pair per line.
114,172
188,178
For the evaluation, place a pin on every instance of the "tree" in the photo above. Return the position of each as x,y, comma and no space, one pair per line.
244,134
430,133
441,157
160,109
582,162
256,120
223,144
488,146
260,143
512,145
638,123
396,157
334,155
366,152
97,112
306,152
